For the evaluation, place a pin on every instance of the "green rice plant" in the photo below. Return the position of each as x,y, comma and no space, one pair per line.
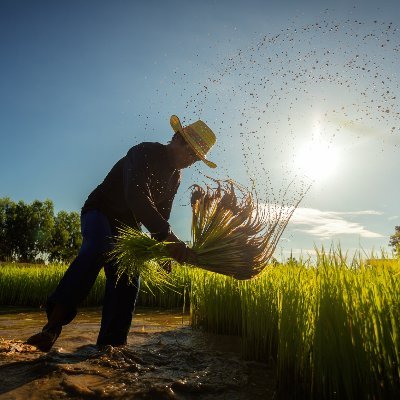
337,354
261,300
215,303
31,285
276,323
331,328
356,339
295,325
175,295
137,254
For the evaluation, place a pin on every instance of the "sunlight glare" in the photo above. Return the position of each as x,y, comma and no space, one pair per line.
317,159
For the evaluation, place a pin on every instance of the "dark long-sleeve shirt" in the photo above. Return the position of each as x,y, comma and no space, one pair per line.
139,189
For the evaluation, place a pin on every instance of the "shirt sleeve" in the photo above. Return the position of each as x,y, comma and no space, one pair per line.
137,175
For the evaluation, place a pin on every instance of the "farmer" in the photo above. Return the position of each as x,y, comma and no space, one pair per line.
139,190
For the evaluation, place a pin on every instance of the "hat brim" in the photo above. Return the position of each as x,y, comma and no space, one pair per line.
177,127
198,154
176,124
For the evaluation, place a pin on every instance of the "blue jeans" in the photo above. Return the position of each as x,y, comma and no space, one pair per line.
120,296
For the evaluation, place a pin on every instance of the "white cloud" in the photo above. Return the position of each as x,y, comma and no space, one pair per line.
393,218
325,224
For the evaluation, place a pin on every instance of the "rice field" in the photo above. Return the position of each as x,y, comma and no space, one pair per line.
330,328
29,285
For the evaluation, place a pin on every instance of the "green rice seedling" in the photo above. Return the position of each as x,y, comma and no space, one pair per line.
137,254
261,299
381,332
336,349
276,323
174,295
363,314
295,325
30,286
215,303
331,328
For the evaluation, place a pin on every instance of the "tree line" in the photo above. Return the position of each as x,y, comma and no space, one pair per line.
33,233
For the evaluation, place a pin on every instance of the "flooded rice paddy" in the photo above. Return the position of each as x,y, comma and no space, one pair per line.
164,359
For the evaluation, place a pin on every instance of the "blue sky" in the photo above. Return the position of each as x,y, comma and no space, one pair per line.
82,81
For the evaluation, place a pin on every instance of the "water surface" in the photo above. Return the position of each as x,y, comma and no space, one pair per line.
164,359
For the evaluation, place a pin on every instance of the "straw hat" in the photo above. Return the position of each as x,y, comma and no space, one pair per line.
198,135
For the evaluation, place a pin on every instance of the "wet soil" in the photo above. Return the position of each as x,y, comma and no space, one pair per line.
164,359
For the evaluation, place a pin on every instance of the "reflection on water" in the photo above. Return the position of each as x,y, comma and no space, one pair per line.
164,359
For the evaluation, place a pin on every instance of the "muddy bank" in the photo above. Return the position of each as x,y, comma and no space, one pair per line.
164,359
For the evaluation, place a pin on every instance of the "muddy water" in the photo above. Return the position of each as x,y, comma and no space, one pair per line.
164,359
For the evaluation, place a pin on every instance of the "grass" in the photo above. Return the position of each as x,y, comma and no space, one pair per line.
331,328
30,286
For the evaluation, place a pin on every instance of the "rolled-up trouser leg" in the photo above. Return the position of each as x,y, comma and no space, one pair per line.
119,305
82,273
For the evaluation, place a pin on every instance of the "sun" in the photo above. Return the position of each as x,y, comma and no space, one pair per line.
317,159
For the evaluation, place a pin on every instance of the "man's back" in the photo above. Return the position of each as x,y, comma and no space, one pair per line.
137,184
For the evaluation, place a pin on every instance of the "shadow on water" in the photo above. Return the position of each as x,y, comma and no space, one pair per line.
165,359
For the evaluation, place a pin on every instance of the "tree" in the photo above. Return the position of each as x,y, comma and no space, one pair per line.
395,241
66,239
5,248
16,232
41,224
29,230
31,233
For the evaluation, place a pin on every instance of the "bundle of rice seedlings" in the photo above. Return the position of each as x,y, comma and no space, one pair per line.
232,234
137,254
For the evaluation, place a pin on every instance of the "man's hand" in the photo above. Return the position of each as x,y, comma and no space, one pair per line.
179,250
